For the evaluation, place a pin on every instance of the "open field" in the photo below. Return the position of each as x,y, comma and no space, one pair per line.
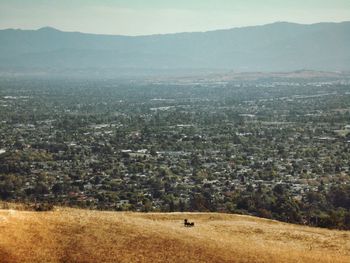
73,235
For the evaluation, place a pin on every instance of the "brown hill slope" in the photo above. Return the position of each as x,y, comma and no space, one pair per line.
73,235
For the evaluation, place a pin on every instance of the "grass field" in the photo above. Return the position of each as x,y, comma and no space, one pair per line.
73,235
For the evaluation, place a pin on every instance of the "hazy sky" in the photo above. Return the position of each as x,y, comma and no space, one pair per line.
140,17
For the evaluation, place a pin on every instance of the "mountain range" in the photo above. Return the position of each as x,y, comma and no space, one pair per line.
276,47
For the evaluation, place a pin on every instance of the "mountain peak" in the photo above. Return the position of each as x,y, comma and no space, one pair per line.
48,29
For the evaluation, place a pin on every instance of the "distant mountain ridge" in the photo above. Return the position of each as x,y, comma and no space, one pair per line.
280,46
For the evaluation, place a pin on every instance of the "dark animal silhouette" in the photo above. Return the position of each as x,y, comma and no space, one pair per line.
188,224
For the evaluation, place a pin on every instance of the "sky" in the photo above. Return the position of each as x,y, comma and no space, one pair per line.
144,17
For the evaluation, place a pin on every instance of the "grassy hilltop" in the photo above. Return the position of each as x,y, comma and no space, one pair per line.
73,235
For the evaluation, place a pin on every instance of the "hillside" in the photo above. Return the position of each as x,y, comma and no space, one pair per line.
274,47
72,235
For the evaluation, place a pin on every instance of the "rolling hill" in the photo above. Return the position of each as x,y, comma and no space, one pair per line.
274,47
73,235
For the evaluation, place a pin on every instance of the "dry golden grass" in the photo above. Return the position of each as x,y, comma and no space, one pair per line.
73,235
16,206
